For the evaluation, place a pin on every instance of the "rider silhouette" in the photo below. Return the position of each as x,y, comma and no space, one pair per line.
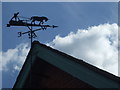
15,16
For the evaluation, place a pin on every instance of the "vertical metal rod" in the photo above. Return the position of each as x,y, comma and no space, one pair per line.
30,34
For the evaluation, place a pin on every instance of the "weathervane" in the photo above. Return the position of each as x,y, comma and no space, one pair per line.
34,21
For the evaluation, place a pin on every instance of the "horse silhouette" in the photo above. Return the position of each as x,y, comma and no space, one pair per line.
40,19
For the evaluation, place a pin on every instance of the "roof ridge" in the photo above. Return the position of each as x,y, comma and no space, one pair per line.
94,68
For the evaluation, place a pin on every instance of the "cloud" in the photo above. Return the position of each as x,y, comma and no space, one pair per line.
97,45
14,58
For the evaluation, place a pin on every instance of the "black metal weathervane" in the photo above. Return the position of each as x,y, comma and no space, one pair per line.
34,21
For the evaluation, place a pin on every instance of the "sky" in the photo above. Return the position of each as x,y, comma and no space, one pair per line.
87,30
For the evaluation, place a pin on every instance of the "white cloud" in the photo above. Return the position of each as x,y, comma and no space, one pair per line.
14,58
97,45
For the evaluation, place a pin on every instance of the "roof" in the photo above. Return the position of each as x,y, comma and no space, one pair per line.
45,75
77,68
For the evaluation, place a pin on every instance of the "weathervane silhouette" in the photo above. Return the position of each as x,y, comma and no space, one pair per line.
34,21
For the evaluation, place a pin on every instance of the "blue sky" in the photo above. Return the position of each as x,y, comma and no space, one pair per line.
69,16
